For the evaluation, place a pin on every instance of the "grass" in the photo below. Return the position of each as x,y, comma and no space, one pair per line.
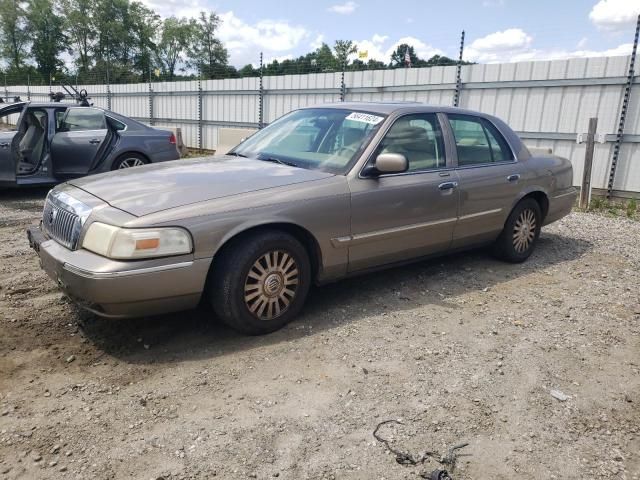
620,208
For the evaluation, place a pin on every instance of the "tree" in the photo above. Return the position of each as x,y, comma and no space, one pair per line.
249,71
45,26
175,37
344,48
206,51
398,56
79,27
324,59
144,25
14,33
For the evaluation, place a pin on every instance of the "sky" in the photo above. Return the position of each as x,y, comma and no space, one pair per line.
496,30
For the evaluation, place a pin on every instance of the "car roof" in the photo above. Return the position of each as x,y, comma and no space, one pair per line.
386,108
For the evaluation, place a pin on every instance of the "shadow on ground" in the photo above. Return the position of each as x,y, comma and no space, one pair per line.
196,334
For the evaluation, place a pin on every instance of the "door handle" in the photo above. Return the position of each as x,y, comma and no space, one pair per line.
448,185
4,145
513,178
94,141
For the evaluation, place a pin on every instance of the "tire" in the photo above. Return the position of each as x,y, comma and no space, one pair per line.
129,159
251,292
520,233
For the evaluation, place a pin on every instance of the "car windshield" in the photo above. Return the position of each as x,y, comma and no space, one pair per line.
325,139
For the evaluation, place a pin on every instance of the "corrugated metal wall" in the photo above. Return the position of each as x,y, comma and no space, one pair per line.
547,102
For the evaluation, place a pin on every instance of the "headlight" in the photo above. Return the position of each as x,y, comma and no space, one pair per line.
129,243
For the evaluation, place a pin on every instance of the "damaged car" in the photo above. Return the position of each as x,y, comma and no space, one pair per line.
321,194
49,143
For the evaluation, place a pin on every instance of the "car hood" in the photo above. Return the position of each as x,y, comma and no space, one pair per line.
152,188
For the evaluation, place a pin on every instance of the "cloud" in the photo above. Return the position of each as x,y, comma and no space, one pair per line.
245,41
177,8
498,45
493,3
346,8
535,54
317,43
615,14
515,45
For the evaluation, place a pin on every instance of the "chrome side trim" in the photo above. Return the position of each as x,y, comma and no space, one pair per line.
124,273
360,238
386,233
480,214
572,192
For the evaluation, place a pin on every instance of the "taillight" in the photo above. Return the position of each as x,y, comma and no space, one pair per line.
172,139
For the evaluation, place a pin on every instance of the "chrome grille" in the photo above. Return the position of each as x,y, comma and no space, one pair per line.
63,217
60,225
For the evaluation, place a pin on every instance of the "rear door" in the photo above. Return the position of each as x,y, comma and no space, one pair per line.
77,142
9,119
489,176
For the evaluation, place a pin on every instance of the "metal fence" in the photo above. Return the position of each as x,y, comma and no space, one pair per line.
547,102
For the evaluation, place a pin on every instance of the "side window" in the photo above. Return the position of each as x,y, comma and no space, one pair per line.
419,138
9,119
79,119
478,141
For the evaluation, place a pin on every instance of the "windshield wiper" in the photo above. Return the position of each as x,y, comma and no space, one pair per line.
277,160
236,154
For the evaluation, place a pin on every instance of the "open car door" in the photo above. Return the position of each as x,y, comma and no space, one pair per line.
78,141
9,120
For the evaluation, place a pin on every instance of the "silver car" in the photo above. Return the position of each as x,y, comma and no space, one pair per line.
320,194
48,143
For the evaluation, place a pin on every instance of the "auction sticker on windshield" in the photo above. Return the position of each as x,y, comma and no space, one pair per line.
365,117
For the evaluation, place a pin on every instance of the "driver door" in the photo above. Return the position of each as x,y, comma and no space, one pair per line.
77,141
9,121
397,217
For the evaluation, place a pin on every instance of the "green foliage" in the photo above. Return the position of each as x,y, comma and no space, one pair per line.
14,33
176,35
125,41
206,51
342,49
46,28
632,208
79,26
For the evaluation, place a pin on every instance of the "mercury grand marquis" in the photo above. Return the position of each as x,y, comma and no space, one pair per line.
320,194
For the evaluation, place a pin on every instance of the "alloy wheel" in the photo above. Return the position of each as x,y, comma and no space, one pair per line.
131,162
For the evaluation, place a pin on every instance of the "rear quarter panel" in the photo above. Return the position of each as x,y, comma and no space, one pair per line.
153,144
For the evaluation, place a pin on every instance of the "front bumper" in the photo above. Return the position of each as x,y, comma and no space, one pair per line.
117,289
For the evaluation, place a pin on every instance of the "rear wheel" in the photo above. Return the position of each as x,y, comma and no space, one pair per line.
129,160
260,283
521,231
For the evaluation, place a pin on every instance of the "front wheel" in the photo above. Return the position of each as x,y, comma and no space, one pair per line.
521,231
260,283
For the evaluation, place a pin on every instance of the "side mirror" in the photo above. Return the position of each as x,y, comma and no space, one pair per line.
388,163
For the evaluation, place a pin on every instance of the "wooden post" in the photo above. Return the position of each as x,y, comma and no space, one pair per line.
585,190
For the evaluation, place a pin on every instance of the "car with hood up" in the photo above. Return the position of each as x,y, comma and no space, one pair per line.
49,143
320,194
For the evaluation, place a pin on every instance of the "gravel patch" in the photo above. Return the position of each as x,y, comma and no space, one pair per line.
536,366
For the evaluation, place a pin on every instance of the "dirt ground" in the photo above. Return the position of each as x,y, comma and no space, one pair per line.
461,349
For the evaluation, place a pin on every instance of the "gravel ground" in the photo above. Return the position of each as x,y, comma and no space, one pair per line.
461,349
